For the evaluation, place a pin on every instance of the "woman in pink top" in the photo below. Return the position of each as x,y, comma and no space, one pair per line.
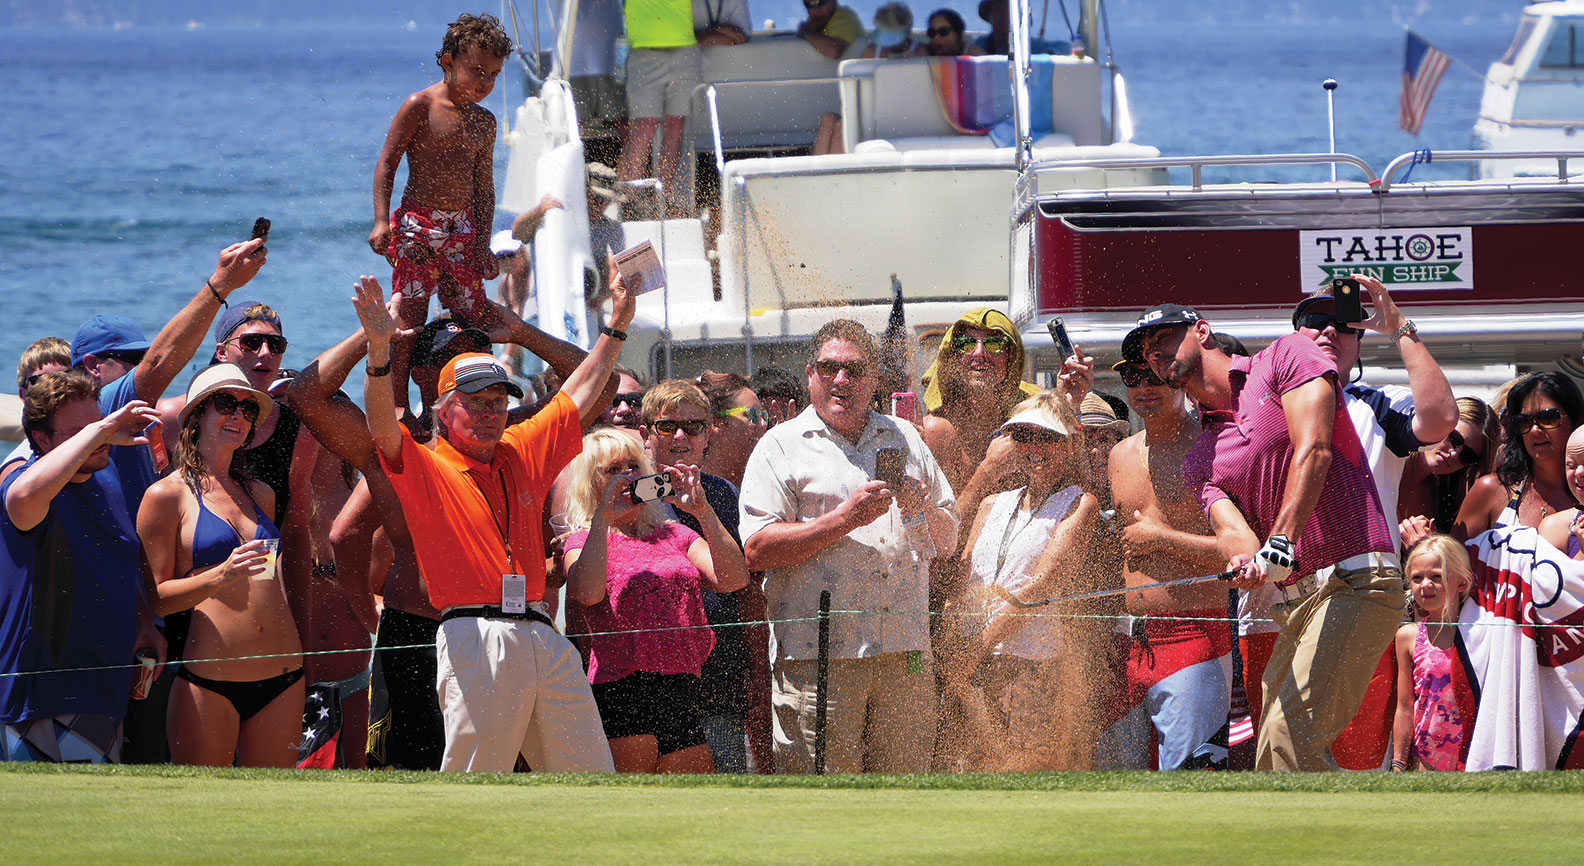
638,574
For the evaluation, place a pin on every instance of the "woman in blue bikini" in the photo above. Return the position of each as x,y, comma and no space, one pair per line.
205,529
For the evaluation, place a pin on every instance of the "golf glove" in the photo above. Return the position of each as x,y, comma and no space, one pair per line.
1279,557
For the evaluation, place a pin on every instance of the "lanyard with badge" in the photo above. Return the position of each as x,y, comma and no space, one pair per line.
514,587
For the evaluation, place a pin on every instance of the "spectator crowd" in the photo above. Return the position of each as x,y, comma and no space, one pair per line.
1243,561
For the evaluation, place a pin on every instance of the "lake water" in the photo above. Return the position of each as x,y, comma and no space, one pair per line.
131,157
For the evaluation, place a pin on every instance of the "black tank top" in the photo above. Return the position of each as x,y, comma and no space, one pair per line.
270,462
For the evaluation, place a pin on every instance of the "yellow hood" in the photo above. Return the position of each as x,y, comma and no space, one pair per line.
946,359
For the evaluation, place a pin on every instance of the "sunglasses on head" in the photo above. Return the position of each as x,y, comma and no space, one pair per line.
995,344
1136,376
751,414
253,342
670,426
1465,455
1320,321
939,32
1545,419
853,369
631,398
1024,434
228,404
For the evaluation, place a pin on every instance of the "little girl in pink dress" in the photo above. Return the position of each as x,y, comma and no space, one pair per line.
1435,705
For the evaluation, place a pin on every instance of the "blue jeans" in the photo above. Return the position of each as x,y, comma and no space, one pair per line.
727,738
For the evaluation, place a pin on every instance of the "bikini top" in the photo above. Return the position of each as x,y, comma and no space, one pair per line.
214,538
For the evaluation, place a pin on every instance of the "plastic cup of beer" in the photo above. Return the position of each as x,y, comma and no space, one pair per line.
271,559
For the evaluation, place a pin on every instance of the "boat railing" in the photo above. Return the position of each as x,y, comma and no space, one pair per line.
1561,156
710,88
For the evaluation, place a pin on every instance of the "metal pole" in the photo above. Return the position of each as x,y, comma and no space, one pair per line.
1330,85
821,683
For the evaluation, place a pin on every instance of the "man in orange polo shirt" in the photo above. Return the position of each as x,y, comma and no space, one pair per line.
508,682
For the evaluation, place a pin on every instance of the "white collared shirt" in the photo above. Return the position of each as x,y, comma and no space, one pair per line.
801,469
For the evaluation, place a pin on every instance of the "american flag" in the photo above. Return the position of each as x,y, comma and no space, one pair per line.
1423,66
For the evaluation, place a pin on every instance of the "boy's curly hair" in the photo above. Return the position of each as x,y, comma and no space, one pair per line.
485,31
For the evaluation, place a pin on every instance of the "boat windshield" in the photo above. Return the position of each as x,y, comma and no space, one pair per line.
1566,48
1525,29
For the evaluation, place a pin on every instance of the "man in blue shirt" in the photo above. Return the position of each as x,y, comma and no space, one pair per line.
71,591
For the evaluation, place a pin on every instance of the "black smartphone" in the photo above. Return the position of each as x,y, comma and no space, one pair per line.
891,467
1058,332
261,227
1349,306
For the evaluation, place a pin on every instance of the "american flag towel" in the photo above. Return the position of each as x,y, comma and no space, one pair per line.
976,92
1423,66
1522,642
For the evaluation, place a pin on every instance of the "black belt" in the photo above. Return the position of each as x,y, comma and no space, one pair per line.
490,611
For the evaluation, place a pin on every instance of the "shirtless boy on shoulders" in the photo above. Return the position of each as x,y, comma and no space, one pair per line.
438,239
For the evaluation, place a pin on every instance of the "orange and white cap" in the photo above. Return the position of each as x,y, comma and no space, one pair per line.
472,372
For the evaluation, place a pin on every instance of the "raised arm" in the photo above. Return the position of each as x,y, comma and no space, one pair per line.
338,424
178,341
27,501
563,357
380,325
592,377
1435,409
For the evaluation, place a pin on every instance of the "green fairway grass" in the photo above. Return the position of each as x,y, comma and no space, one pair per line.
166,815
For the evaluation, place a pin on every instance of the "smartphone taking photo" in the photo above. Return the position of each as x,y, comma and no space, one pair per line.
891,467
1349,305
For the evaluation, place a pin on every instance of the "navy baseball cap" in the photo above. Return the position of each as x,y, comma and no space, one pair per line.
1158,316
236,316
1306,303
102,334
434,344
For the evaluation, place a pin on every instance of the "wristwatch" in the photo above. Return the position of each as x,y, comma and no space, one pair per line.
608,330
1406,329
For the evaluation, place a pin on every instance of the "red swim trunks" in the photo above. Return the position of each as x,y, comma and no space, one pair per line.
430,245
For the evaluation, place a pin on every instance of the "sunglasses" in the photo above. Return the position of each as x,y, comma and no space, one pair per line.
751,414
1024,434
1545,419
939,33
1465,455
131,359
853,369
670,426
253,342
228,404
486,405
814,4
631,398
995,344
1320,321
1134,377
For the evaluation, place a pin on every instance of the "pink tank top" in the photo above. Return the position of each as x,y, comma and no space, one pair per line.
1443,709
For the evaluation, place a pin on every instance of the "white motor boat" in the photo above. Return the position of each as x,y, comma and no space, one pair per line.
1534,94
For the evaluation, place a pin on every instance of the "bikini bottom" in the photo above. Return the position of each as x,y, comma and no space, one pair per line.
247,696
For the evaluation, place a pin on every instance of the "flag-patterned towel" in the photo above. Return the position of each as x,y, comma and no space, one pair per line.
1522,641
1423,66
976,92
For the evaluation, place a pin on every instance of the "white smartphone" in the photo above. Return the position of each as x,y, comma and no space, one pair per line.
651,487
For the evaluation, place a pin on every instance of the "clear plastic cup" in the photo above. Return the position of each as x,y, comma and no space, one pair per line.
271,559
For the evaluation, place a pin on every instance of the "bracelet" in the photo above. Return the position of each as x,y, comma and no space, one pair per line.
1399,765
376,372
216,292
607,329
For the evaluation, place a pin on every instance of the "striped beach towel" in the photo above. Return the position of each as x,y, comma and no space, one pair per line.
976,93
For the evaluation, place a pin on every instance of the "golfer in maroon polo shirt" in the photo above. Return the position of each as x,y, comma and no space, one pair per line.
1283,477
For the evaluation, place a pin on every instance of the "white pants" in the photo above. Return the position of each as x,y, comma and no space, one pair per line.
880,717
508,686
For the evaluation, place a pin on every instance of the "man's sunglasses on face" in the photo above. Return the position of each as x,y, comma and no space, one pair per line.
670,426
631,398
853,369
1320,321
1138,375
131,359
814,4
254,342
995,344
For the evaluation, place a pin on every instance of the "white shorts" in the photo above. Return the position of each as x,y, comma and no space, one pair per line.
660,81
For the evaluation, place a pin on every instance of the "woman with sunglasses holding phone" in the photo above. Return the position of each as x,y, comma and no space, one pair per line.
213,550
639,574
1022,682
1437,479
1528,485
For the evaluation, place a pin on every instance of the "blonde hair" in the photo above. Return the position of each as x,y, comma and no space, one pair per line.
1453,558
671,395
43,351
1058,409
586,478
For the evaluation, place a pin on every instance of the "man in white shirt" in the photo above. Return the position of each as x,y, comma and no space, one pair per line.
815,517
